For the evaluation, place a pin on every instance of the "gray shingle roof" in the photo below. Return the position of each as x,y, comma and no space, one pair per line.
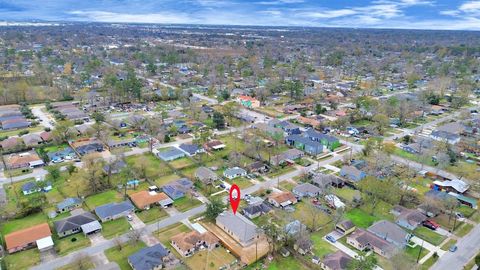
73,222
239,225
112,209
148,258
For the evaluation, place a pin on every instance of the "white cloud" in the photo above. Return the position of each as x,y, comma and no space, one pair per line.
159,17
328,14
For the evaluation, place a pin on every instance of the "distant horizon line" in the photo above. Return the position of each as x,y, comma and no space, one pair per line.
39,22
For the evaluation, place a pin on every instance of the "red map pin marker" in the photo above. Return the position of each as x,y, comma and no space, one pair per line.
234,198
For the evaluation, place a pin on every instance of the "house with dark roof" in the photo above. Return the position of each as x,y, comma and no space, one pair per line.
345,227
149,258
178,188
191,149
306,190
205,175
85,222
352,173
257,167
15,123
69,204
288,127
336,261
255,210
87,146
112,211
36,186
115,167
408,218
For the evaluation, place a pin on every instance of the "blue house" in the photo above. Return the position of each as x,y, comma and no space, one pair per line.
191,149
171,153
36,186
326,140
149,258
178,188
352,173
300,142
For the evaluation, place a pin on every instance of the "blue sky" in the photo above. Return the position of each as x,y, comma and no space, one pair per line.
412,14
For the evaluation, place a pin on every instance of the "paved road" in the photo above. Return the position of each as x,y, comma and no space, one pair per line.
468,247
100,247
37,111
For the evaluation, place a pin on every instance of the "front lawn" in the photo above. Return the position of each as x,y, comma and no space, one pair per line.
463,230
185,203
240,181
152,215
114,228
413,252
429,235
360,218
280,171
429,263
120,256
161,181
68,244
346,193
448,244
320,246
23,259
23,223
166,233
154,168
103,198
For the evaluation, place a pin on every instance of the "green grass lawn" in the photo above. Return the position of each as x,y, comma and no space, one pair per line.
288,186
402,153
114,254
161,181
185,203
320,246
152,215
87,264
103,198
381,211
23,223
429,235
429,263
240,181
181,163
65,245
466,211
448,244
18,172
280,171
9,133
114,228
289,263
360,218
154,166
463,230
345,193
413,252
166,233
23,259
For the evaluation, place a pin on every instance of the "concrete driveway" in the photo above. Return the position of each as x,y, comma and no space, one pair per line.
136,222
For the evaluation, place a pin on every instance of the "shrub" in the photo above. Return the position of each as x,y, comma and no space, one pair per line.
23,132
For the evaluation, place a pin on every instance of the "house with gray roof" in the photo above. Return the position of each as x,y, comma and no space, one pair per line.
85,222
390,232
352,173
306,190
112,211
408,218
68,204
338,260
169,154
205,175
178,188
32,140
149,258
255,210
440,135
238,227
234,172
324,181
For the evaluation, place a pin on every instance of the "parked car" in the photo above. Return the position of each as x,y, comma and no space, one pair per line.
129,217
330,238
453,248
430,224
